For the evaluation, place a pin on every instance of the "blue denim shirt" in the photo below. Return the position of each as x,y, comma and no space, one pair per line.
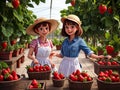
72,48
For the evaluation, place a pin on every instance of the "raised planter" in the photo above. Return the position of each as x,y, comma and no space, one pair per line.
6,55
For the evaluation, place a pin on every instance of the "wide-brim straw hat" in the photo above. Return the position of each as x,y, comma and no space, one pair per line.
54,24
73,18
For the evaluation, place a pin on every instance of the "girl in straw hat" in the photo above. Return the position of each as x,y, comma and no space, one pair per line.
72,45
41,47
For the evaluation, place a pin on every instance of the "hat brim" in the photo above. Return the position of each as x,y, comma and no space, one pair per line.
54,25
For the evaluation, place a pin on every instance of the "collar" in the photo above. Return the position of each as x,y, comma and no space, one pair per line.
75,39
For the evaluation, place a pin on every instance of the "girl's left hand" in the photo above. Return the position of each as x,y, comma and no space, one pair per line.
101,57
52,65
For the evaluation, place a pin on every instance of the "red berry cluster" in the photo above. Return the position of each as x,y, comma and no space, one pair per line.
35,84
109,76
80,76
8,75
58,76
109,63
103,8
38,68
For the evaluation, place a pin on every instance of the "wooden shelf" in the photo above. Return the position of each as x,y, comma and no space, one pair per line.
14,62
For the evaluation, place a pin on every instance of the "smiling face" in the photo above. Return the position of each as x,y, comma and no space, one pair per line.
42,29
70,29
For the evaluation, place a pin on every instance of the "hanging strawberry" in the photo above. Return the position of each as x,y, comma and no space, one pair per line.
72,2
109,10
15,3
109,49
4,44
13,42
102,9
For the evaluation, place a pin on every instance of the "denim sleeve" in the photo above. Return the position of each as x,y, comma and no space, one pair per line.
85,48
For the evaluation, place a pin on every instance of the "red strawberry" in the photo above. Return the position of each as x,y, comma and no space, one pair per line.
8,69
30,69
34,82
77,72
73,78
102,9
47,67
10,77
109,49
110,11
15,3
31,86
61,76
1,78
15,77
4,44
13,73
72,2
4,71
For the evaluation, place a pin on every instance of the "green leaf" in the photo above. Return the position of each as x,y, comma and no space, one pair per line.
117,18
30,5
3,65
67,1
9,5
7,31
108,22
4,18
17,15
107,35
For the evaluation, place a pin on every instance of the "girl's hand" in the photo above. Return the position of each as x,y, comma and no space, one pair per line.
35,61
52,65
101,57
52,54
108,57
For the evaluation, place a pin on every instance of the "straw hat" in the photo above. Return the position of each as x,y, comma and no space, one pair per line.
54,24
73,18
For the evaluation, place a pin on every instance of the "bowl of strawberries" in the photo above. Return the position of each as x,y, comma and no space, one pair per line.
36,85
80,80
108,80
39,72
9,79
58,79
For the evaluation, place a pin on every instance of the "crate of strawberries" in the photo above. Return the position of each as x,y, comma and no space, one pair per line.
80,80
58,79
39,72
102,65
36,85
9,79
108,80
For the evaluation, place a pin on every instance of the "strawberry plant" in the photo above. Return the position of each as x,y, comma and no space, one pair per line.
97,16
14,18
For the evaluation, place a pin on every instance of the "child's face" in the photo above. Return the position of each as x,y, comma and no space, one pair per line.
70,29
43,30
